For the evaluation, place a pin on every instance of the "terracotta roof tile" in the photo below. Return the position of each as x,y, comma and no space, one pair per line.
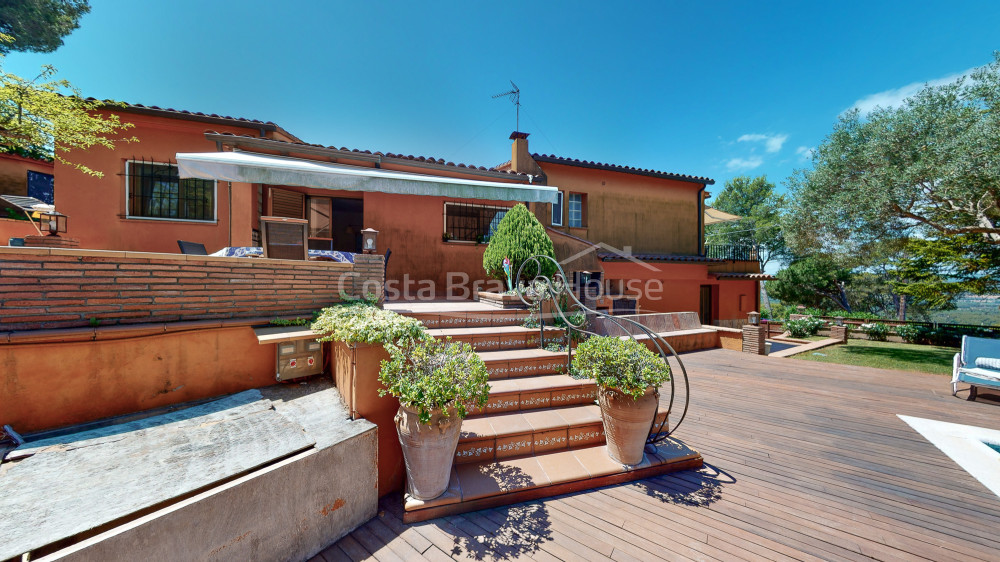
607,256
553,159
755,276
425,159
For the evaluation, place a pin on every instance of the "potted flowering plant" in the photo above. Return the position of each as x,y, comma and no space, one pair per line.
436,383
628,377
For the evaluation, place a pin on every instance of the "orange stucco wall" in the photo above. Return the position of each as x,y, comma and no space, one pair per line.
49,385
14,229
677,288
736,299
14,173
652,215
97,207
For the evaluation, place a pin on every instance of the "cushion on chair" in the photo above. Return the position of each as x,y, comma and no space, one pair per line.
988,363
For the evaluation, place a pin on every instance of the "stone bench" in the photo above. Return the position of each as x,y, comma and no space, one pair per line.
682,330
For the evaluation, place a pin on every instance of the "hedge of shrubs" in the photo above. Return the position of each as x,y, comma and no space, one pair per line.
803,327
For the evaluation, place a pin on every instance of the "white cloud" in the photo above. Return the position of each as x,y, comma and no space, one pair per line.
742,164
772,143
805,153
894,98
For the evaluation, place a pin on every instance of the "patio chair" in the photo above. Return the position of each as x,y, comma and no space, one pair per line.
978,364
284,238
192,248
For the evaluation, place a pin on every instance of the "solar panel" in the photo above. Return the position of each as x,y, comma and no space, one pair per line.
26,204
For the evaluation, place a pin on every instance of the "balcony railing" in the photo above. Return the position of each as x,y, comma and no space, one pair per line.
734,252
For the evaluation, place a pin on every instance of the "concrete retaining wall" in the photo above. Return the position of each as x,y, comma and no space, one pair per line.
288,511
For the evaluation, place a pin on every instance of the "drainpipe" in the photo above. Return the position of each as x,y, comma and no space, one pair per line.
230,214
701,221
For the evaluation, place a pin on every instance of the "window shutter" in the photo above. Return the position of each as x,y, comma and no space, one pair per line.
286,203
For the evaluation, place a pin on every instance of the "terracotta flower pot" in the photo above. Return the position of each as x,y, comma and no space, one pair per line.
428,450
627,422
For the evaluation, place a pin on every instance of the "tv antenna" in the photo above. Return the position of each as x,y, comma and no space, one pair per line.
515,97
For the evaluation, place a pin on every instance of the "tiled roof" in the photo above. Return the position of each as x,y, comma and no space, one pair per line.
754,276
550,158
421,159
607,256
199,116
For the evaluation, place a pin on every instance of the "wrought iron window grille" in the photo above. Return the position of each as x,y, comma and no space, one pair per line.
471,222
155,190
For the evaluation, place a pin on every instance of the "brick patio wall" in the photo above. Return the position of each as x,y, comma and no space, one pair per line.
56,288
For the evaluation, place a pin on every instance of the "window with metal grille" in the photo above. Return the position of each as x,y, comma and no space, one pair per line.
471,223
156,191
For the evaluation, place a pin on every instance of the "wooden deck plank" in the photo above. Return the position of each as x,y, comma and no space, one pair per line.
814,465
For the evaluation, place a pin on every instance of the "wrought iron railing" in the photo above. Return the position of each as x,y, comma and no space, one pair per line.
555,290
734,252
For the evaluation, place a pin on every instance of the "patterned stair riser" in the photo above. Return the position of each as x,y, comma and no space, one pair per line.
469,319
526,367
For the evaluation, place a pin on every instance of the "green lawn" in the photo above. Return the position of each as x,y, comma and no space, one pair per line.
887,355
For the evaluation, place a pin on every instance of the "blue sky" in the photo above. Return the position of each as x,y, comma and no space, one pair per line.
713,89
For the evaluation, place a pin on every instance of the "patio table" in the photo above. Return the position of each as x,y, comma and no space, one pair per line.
258,252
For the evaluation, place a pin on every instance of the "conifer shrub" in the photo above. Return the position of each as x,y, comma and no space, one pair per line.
518,236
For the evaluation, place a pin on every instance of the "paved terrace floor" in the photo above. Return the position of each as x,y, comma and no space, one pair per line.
805,461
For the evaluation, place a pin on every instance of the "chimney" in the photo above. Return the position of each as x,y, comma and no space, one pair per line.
520,159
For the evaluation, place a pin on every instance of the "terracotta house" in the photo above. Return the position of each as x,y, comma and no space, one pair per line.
209,179
647,230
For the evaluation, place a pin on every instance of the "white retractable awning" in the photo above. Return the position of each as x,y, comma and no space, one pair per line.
248,167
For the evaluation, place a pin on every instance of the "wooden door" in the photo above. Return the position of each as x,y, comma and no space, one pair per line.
705,305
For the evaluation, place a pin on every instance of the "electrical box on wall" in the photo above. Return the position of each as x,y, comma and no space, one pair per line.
299,358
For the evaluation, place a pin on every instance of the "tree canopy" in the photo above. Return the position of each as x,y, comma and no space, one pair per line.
815,281
39,25
911,193
927,168
755,200
46,118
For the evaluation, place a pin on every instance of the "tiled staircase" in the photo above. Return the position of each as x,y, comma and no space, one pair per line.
540,434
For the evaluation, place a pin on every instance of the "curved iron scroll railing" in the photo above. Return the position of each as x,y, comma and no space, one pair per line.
542,289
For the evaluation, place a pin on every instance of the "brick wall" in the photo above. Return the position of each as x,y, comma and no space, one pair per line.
55,288
370,276
754,338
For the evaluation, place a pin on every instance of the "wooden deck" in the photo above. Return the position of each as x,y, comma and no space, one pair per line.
804,461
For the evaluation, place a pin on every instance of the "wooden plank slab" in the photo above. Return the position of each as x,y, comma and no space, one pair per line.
276,334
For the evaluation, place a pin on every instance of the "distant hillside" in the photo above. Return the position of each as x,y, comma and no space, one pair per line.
974,309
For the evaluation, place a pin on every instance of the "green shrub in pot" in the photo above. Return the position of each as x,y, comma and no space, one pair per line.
628,377
362,322
431,375
437,384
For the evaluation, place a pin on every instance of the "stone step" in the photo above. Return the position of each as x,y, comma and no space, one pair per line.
496,338
469,318
515,363
500,436
487,484
534,393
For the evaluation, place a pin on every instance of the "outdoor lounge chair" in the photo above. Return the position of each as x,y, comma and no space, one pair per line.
192,248
978,364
